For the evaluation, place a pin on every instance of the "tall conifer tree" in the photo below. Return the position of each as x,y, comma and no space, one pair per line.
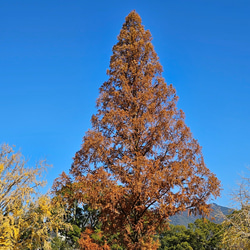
139,163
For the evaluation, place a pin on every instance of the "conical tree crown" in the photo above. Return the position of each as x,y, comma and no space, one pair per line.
137,115
139,148
134,71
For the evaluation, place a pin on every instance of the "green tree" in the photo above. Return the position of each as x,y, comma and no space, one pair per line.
205,234
77,215
200,235
177,237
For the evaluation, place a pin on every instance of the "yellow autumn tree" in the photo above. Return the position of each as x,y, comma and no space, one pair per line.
27,219
237,224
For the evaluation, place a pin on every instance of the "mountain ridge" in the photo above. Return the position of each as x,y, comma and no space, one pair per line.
217,215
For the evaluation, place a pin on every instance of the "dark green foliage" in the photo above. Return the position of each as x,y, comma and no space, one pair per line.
79,217
200,235
76,217
205,234
175,238
59,243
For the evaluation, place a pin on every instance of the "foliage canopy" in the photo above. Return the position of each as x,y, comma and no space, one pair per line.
139,163
202,234
237,224
26,217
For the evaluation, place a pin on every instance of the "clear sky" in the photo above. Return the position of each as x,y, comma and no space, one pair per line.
54,56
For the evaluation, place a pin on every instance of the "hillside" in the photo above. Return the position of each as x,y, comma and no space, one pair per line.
216,216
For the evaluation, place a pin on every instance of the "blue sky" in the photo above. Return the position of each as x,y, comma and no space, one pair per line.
54,57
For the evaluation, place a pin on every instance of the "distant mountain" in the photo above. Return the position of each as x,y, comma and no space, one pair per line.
217,214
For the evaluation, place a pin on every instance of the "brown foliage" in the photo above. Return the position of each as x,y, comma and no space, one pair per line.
139,164
87,243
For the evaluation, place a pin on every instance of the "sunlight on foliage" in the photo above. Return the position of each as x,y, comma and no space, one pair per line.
27,218
139,163
237,224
